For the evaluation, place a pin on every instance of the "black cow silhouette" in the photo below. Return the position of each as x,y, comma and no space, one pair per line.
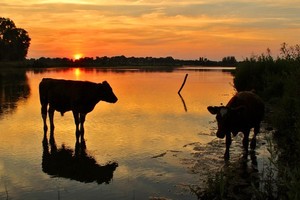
80,97
244,111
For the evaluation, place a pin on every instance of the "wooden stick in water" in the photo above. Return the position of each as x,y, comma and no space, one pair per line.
183,83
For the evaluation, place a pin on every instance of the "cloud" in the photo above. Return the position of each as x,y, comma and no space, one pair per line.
215,10
125,25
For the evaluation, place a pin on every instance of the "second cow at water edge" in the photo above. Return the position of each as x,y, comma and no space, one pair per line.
80,97
243,112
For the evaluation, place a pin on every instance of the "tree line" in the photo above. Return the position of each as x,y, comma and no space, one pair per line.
122,60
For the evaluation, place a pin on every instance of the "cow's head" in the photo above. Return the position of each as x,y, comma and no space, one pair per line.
225,116
107,93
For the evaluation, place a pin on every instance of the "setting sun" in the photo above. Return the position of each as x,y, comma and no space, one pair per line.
212,29
77,56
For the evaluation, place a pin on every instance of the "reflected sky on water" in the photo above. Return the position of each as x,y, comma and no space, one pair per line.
146,132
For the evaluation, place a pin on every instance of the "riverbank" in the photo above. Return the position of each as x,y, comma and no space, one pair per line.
239,178
277,82
272,170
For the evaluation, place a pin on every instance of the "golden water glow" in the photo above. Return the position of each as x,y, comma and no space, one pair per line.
77,73
148,119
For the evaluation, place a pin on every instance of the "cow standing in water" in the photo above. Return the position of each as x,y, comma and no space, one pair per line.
244,111
80,97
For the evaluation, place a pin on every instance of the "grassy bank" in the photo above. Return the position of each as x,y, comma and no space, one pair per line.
277,82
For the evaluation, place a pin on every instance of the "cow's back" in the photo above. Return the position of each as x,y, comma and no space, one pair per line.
253,107
65,95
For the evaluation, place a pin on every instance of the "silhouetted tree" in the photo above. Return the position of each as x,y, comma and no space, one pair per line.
14,42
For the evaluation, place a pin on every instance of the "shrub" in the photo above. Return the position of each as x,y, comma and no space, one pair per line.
277,82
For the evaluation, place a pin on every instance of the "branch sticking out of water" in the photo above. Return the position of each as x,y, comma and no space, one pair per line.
183,102
183,83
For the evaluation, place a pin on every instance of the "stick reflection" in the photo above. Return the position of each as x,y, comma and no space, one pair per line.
183,102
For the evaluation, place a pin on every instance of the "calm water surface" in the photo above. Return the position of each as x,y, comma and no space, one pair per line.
146,132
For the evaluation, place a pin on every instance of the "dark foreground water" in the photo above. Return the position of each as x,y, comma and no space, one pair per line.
151,144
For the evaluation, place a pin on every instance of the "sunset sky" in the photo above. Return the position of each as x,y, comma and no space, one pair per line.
183,29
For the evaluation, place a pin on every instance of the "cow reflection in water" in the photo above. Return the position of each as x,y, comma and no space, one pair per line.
78,165
243,177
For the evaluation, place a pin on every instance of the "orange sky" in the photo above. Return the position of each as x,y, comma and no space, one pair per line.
184,29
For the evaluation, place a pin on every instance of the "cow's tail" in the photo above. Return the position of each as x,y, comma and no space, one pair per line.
43,90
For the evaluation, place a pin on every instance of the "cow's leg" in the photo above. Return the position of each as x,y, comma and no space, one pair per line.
51,116
228,143
246,141
253,140
76,119
44,116
82,120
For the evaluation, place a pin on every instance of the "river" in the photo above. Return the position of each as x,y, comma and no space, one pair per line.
144,146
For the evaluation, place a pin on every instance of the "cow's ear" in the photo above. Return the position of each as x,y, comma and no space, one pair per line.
213,109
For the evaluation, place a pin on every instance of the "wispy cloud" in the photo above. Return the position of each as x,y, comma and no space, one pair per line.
125,25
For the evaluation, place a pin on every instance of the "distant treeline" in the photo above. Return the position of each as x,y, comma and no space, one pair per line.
117,61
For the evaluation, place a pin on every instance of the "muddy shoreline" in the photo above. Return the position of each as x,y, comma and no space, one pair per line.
238,178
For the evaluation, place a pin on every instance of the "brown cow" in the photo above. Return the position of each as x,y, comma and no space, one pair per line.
244,111
80,97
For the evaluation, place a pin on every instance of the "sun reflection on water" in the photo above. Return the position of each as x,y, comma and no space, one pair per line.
77,73
148,120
